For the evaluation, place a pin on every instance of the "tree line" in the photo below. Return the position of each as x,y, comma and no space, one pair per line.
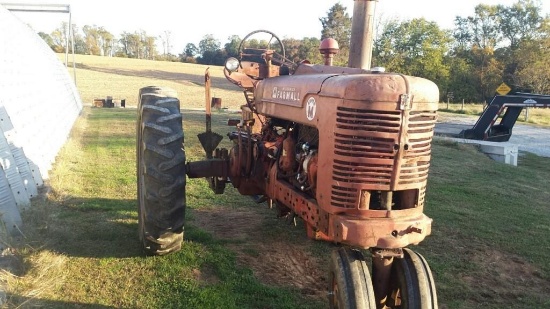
497,44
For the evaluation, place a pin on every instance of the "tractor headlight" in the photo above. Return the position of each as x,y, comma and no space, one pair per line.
232,64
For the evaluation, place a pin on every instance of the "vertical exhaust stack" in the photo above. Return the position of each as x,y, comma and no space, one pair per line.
362,33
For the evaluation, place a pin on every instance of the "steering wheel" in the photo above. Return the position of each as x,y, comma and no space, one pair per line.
278,41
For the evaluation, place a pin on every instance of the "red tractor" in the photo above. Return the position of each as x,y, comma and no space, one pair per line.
346,149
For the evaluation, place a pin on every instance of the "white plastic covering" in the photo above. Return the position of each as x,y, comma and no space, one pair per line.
38,106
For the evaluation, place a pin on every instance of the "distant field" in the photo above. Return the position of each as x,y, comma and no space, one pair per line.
489,246
121,78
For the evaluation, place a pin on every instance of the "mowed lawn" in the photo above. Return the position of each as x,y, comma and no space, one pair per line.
489,246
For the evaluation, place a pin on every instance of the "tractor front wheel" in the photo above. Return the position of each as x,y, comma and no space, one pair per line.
411,284
350,284
160,171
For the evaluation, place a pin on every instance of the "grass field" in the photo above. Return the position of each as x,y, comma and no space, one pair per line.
489,245
99,77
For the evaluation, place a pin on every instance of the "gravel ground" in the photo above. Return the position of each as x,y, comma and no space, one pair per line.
528,138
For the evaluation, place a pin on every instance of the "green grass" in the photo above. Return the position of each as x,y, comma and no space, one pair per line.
90,222
490,241
489,245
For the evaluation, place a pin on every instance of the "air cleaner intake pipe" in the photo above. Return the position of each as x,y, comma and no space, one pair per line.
362,33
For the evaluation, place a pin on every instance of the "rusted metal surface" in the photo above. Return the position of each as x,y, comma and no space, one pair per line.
207,168
362,34
216,103
329,48
369,142
381,271
209,140
376,228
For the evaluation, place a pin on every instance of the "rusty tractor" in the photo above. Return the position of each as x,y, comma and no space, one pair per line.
346,149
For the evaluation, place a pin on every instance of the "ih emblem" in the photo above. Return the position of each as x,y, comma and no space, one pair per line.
311,108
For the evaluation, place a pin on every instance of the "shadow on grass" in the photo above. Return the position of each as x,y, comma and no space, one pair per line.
29,302
85,227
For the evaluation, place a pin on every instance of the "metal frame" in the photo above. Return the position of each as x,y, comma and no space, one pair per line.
509,107
49,8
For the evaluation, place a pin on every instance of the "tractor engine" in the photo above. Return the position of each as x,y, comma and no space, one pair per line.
290,147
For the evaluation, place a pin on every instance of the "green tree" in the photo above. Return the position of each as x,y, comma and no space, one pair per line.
131,44
48,39
498,44
416,47
208,44
520,24
460,83
521,21
149,46
190,50
189,53
232,46
59,37
106,42
292,48
91,38
138,45
477,38
533,59
210,51
337,25
309,50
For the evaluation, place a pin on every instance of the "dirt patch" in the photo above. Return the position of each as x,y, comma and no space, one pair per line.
505,277
274,261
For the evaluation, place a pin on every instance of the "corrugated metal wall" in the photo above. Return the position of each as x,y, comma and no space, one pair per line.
38,106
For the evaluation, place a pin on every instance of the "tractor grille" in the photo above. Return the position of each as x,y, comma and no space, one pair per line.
364,142
364,153
420,131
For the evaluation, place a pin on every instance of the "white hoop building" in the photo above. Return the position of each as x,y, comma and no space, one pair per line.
39,104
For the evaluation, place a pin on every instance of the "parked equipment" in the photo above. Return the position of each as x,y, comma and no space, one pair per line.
507,108
346,149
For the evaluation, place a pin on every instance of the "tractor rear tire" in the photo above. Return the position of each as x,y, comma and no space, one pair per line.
161,174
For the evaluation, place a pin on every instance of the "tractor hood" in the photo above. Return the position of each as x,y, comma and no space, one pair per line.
287,96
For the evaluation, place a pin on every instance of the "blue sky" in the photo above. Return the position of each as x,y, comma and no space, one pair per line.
189,21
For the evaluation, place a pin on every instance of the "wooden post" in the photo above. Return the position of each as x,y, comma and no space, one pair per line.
462,105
